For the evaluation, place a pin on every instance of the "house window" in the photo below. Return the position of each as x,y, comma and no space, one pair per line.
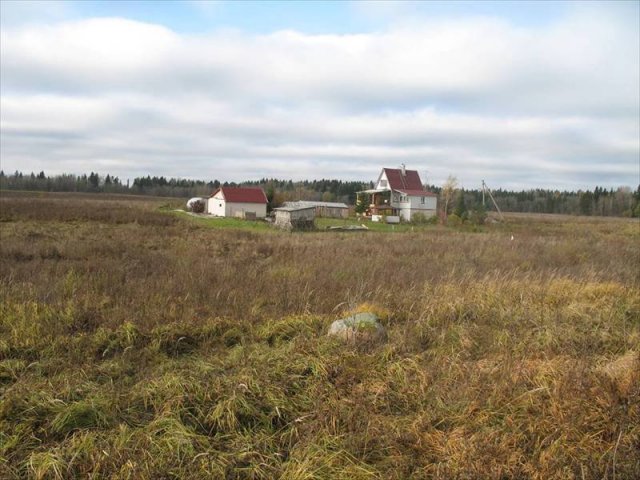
422,200
383,183
403,198
396,197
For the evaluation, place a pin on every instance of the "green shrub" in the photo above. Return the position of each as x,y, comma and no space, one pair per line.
420,218
454,220
478,215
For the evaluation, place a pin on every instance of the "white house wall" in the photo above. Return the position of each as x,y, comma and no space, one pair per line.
237,209
216,205
383,182
219,207
414,205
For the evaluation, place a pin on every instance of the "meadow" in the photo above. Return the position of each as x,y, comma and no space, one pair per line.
140,343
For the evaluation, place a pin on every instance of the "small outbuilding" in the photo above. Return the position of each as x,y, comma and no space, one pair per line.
241,202
295,218
323,209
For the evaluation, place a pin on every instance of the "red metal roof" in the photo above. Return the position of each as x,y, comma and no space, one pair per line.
242,194
411,179
417,193
409,183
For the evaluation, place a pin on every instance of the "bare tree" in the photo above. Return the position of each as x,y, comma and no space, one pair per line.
448,190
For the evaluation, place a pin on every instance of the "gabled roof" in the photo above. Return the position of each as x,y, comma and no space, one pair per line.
409,183
242,194
397,181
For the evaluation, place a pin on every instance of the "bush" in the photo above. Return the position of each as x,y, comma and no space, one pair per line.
454,220
478,215
363,203
421,219
197,206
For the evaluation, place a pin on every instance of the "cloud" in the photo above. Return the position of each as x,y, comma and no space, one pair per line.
549,106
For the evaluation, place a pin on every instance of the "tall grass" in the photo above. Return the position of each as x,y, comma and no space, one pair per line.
137,344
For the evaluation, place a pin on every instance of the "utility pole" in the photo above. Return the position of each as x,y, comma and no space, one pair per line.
484,186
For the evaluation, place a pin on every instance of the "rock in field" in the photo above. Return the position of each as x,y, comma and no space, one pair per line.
360,327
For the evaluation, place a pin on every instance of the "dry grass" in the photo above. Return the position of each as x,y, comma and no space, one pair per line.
136,344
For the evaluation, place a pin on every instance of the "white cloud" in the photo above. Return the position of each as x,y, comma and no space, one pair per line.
554,106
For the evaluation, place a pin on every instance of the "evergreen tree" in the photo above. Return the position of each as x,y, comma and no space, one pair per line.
94,180
460,209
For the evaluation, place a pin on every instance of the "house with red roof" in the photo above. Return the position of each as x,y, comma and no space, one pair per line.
242,202
399,192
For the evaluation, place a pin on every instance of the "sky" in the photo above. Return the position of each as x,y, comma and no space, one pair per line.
521,95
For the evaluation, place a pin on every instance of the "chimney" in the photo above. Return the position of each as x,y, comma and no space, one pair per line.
403,170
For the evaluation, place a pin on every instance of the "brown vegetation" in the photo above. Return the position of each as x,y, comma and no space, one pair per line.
139,344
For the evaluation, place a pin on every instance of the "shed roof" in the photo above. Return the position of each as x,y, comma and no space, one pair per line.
242,194
310,203
293,209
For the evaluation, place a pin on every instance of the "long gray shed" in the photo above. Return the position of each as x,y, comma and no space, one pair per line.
323,209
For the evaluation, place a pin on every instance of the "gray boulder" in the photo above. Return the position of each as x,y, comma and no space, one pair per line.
360,327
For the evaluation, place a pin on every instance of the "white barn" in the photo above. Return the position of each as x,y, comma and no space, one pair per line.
242,202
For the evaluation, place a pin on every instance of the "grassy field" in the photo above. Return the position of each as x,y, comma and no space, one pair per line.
140,343
322,224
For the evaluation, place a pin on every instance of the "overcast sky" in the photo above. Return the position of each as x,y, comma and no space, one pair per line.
522,95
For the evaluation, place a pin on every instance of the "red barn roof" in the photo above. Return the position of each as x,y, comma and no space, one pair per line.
242,194
409,181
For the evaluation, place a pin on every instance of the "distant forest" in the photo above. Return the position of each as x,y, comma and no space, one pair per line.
599,201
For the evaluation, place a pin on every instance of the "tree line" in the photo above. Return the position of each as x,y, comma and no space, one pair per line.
282,190
599,201
619,202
